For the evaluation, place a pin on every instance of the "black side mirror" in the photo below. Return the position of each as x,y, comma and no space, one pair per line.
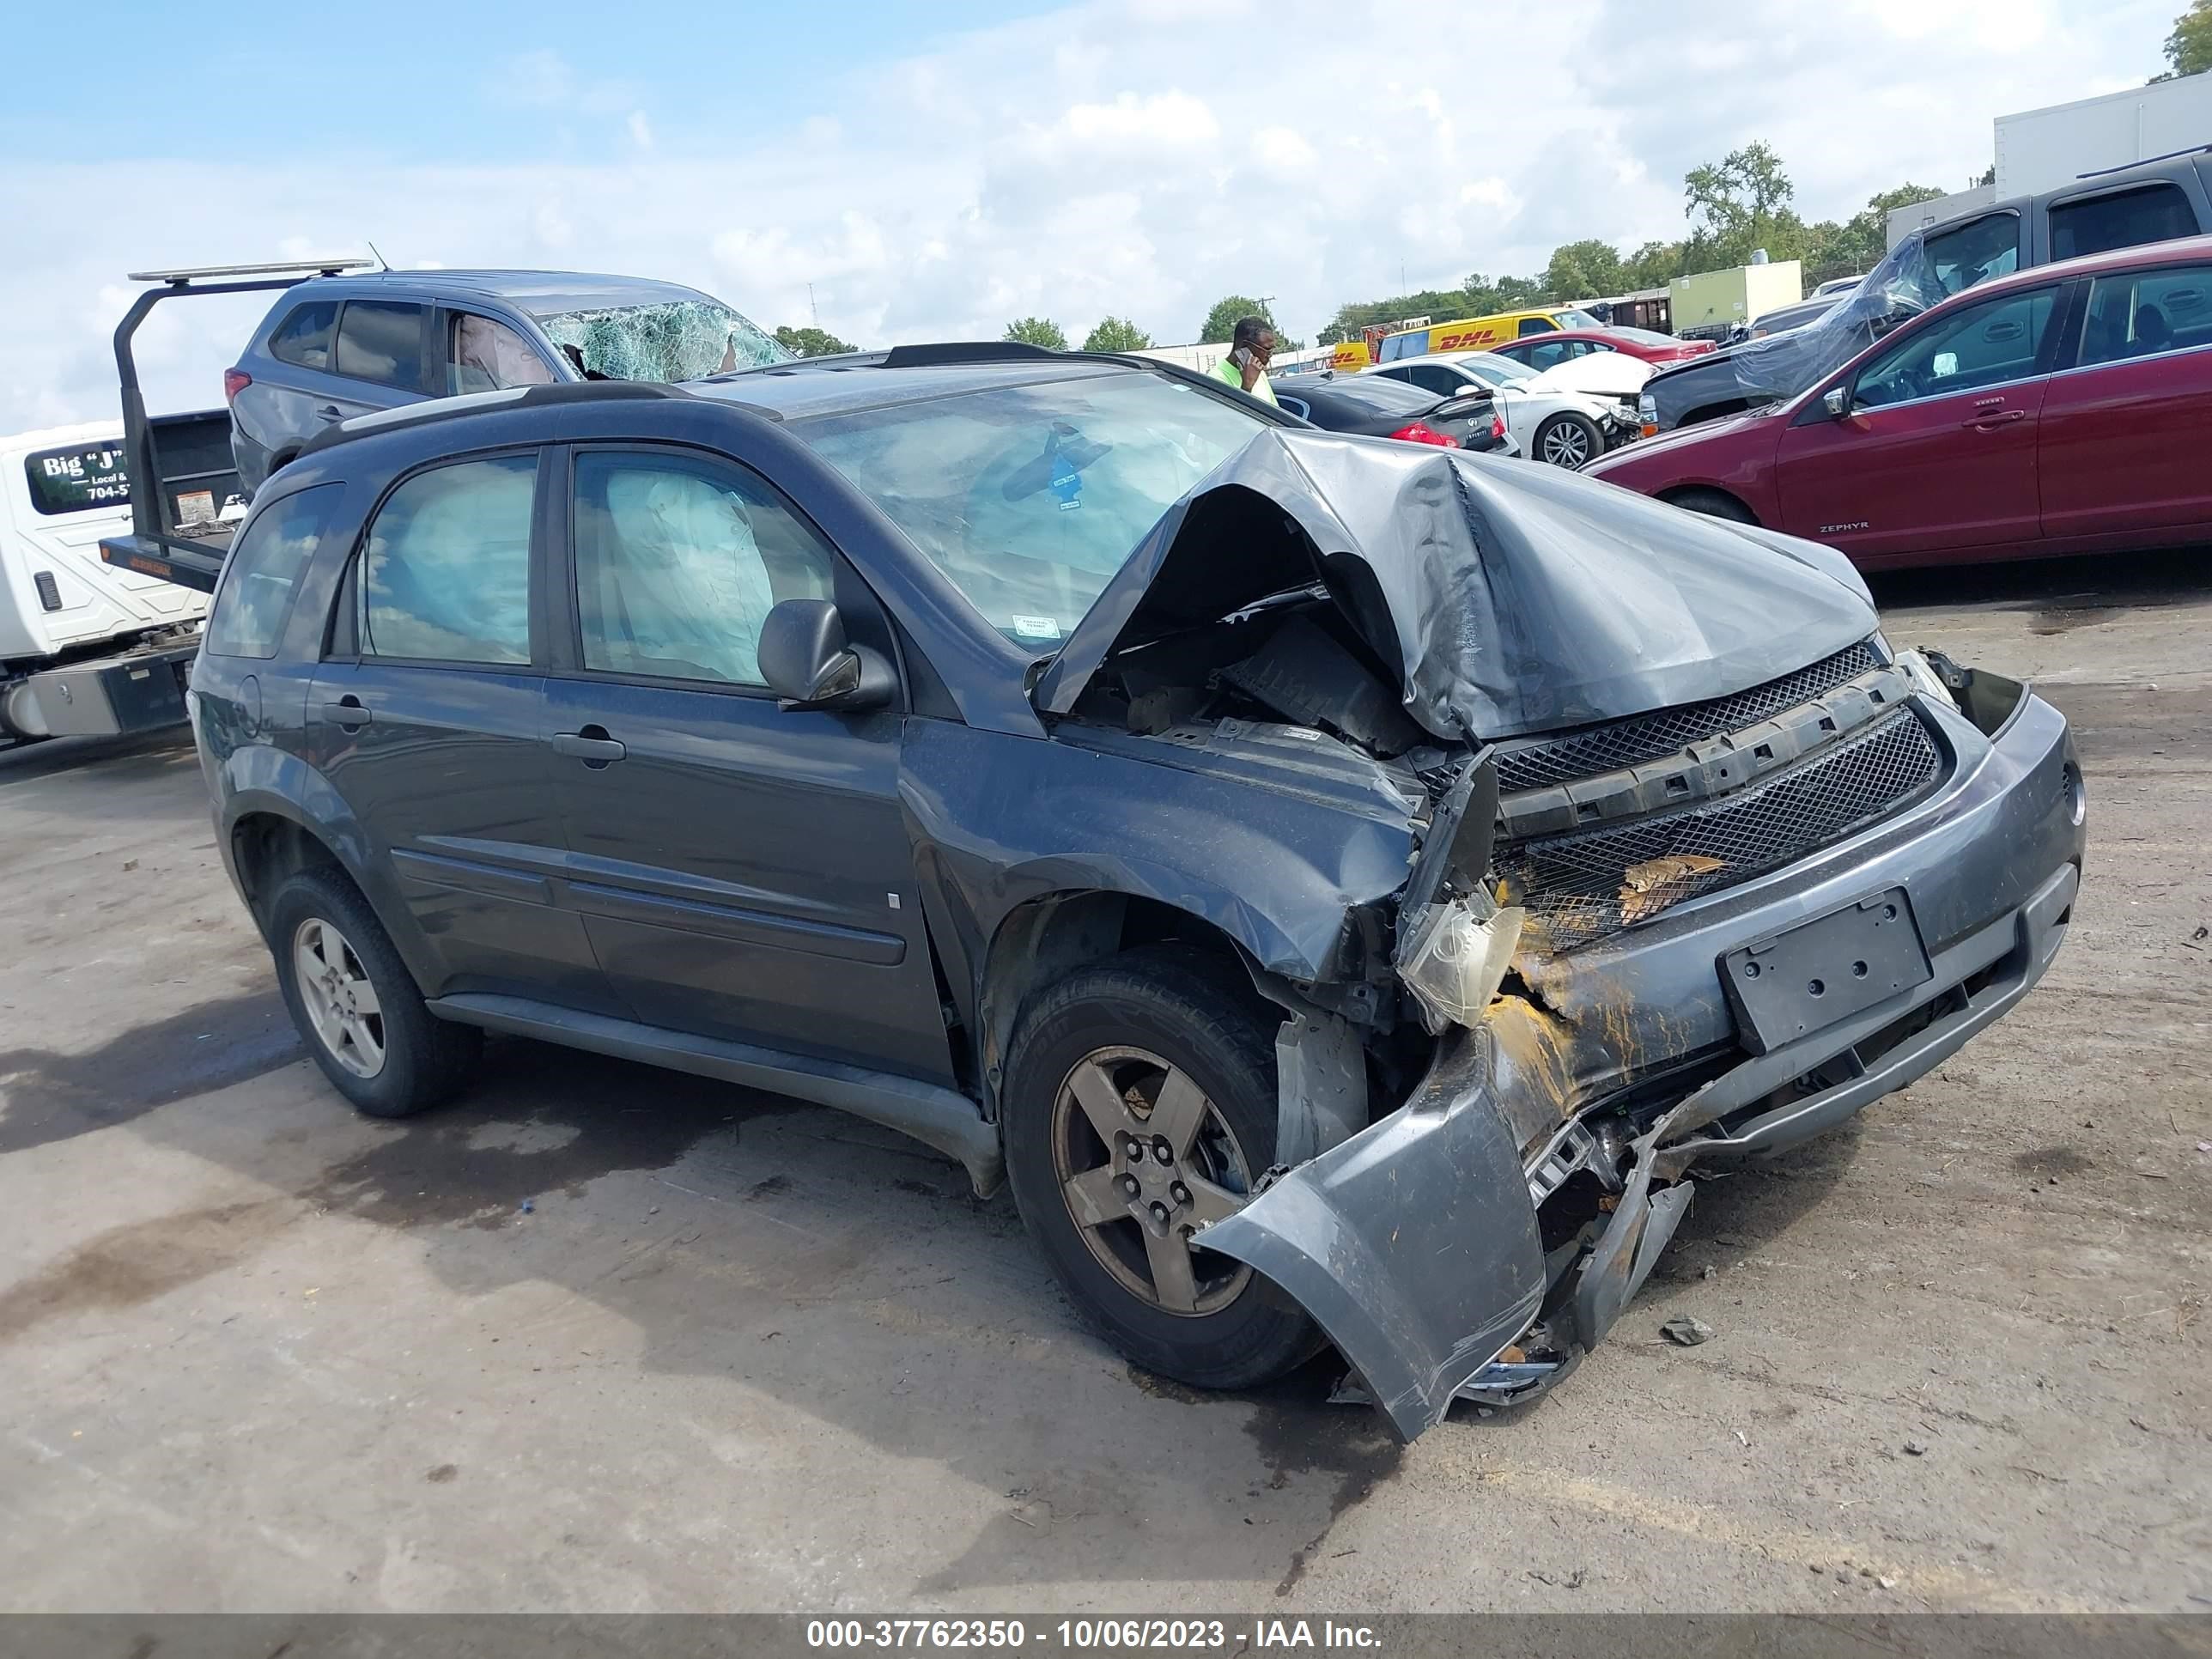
807,663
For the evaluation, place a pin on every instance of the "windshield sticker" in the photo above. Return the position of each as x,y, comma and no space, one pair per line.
1037,628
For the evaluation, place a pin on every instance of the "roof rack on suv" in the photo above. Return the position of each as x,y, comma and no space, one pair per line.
476,402
2171,155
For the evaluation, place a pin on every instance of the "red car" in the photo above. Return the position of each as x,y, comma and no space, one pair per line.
2066,409
1542,351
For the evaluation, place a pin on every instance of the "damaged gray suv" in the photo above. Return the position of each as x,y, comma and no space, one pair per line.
1348,889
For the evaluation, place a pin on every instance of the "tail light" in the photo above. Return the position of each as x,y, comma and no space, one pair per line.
234,380
1498,428
1420,433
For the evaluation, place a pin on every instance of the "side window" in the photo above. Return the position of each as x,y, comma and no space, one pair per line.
1977,250
380,341
1536,325
303,338
1298,406
1549,355
1435,377
2129,218
2140,313
446,576
679,560
1514,349
486,355
1982,345
263,573
1414,344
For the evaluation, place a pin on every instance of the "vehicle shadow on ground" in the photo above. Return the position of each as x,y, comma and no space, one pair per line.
2069,593
830,1264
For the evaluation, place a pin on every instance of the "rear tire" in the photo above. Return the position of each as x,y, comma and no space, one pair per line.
355,1005
1568,440
1713,503
1145,1049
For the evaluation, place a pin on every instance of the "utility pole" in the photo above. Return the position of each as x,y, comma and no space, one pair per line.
811,306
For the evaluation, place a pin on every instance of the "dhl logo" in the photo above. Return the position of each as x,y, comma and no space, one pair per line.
1464,340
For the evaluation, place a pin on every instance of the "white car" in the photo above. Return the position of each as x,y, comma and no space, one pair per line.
1555,414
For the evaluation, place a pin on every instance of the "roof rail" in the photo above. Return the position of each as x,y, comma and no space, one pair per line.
966,352
312,267
2171,155
476,402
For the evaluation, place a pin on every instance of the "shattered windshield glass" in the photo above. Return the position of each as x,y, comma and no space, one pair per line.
1030,497
676,340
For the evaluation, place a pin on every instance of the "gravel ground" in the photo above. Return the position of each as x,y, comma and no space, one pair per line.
604,1338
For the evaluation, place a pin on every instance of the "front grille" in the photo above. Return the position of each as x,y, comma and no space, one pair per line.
1668,730
1579,887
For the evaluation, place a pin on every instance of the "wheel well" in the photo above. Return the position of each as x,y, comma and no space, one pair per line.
1691,495
1048,939
268,850
1726,407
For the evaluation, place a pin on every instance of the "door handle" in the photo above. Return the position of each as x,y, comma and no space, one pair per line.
329,412
591,745
1995,417
348,712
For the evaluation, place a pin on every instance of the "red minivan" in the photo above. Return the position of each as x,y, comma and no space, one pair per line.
2063,409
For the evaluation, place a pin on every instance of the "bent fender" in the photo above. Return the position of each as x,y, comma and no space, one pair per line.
1414,1245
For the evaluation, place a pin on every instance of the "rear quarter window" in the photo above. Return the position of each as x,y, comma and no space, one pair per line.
262,577
303,338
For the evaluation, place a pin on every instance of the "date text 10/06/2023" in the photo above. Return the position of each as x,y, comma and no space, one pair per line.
1088,1635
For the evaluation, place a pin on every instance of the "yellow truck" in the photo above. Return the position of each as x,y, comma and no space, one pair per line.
1479,333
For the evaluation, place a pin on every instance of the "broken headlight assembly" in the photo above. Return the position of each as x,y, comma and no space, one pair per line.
1457,957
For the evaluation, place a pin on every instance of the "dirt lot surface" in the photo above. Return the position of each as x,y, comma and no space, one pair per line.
604,1338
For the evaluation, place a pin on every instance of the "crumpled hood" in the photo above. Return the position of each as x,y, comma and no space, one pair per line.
1598,373
1511,597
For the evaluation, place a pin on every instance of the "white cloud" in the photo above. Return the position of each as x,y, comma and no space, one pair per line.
1117,156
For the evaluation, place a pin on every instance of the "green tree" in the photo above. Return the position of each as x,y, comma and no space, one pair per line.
1221,322
1654,264
1037,331
1584,270
1117,334
1738,204
2189,48
811,342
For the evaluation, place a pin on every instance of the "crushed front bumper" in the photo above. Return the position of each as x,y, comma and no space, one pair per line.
1416,1244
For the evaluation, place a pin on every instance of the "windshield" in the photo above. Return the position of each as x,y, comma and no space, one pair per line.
1494,370
1028,498
1571,318
678,340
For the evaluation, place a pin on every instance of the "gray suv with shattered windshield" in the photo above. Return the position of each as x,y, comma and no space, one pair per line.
337,346
1349,891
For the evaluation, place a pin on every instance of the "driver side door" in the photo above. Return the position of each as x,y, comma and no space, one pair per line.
1937,451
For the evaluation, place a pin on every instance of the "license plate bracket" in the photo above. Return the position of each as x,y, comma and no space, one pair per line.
1794,982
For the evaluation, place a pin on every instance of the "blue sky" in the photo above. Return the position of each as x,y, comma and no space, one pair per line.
407,80
919,172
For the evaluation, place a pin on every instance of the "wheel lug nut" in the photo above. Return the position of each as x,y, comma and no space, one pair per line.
1130,1185
1180,1193
1159,1211
1162,1150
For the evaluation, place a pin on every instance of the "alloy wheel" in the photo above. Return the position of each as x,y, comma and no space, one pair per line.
1567,444
341,1004
1144,1159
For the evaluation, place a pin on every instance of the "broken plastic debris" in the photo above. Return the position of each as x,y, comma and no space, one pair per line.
1687,1331
1915,1448
1649,887
1460,956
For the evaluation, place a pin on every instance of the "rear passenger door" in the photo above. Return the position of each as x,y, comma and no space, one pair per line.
427,718
2126,440
742,870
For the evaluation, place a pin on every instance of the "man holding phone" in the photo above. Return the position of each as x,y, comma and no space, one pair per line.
1246,366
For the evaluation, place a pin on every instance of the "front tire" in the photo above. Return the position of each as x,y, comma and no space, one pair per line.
355,1005
1569,441
1140,1102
